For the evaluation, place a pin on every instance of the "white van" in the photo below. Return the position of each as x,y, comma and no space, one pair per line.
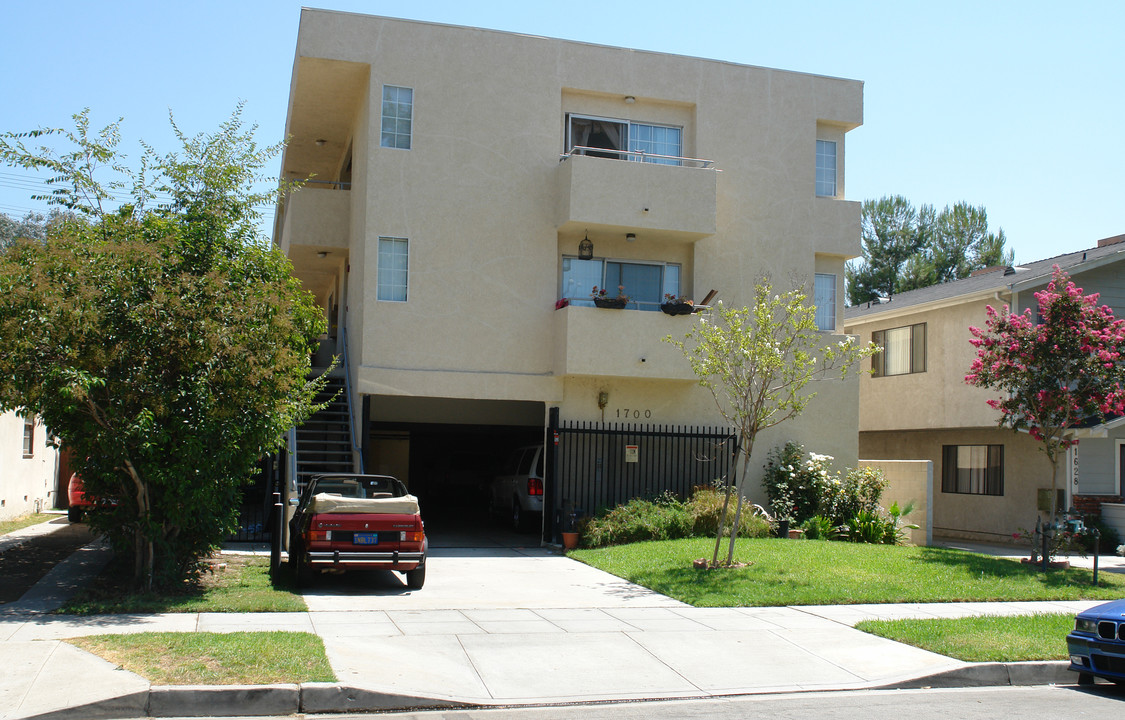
517,492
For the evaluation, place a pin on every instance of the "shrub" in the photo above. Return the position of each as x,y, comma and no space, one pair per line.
819,527
794,485
707,503
666,518
859,490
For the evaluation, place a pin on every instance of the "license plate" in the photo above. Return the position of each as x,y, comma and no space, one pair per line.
365,539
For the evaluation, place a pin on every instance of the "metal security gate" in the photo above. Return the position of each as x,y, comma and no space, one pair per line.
601,465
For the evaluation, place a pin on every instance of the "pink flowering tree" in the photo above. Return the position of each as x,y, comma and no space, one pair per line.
1055,372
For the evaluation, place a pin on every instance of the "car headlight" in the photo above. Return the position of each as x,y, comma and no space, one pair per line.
1087,625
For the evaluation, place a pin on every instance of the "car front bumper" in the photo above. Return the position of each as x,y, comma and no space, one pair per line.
1092,655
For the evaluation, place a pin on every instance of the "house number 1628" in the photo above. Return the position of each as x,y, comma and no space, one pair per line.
631,414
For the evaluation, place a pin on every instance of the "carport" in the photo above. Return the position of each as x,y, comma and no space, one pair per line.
447,450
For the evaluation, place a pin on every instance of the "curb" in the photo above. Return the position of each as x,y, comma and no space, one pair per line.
323,698
1016,674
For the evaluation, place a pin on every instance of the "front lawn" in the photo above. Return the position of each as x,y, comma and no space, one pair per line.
239,583
7,526
1017,638
808,572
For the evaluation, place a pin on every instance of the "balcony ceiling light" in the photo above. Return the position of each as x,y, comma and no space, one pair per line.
629,99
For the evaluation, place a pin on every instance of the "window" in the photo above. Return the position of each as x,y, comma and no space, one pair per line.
394,264
398,115
972,469
826,168
901,351
29,436
824,297
618,136
646,283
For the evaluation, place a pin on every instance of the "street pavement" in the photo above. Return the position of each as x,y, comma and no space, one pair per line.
493,626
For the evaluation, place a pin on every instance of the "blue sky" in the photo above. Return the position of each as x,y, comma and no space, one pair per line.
1016,106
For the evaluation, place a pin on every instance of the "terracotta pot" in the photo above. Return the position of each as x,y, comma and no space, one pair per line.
570,540
796,534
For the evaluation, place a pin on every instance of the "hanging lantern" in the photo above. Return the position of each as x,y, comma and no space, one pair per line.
586,249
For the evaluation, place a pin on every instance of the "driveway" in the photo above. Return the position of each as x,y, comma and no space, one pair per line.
479,578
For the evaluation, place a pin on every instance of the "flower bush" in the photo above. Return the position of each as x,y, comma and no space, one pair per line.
799,488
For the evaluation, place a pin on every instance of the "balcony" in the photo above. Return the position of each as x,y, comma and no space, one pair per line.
657,201
317,217
620,343
836,227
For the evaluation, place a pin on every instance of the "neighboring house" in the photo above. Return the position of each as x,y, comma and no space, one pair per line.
989,482
28,467
463,182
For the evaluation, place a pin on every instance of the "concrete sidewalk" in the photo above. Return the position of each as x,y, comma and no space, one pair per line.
589,637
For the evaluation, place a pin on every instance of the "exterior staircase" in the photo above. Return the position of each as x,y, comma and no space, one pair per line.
324,441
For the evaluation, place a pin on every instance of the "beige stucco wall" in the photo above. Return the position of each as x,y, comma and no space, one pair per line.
489,211
938,397
910,481
981,517
27,484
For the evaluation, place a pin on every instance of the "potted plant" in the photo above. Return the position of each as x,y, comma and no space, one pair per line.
603,301
673,305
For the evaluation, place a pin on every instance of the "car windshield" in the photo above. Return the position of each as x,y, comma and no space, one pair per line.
358,487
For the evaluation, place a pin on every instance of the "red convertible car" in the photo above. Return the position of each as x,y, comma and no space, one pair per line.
357,522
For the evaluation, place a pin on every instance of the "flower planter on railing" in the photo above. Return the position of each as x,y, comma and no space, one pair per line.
612,303
677,308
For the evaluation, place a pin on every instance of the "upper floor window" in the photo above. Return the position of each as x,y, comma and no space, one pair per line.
646,283
394,265
902,350
824,297
625,140
29,436
398,116
826,168
972,469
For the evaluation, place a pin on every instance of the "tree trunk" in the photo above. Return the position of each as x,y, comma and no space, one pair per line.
722,522
737,511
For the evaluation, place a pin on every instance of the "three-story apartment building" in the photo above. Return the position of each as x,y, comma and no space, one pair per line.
466,191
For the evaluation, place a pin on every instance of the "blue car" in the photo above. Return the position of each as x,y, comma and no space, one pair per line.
1097,643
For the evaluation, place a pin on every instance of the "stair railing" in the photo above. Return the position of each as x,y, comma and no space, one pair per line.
357,450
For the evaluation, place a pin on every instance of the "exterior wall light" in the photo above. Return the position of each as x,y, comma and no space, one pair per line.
586,249
629,99
321,142
630,237
603,400
322,254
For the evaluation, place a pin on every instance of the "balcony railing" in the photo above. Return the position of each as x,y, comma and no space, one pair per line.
637,156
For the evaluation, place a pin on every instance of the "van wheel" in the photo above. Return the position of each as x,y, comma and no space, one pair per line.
74,514
519,519
416,578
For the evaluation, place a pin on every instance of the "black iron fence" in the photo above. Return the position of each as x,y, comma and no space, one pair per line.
599,465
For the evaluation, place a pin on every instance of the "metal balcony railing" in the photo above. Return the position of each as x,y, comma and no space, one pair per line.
638,156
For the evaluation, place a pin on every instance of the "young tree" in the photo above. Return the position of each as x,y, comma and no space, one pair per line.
756,361
162,345
1054,374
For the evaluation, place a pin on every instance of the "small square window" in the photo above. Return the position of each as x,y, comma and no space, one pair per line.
972,469
901,350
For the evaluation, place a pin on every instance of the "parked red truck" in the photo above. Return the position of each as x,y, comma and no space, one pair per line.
357,522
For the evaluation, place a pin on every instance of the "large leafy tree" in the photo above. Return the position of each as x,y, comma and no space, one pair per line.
32,226
1054,372
162,342
757,362
906,248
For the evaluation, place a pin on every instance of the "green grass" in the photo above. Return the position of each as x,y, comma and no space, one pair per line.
808,572
239,658
23,521
982,639
242,585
